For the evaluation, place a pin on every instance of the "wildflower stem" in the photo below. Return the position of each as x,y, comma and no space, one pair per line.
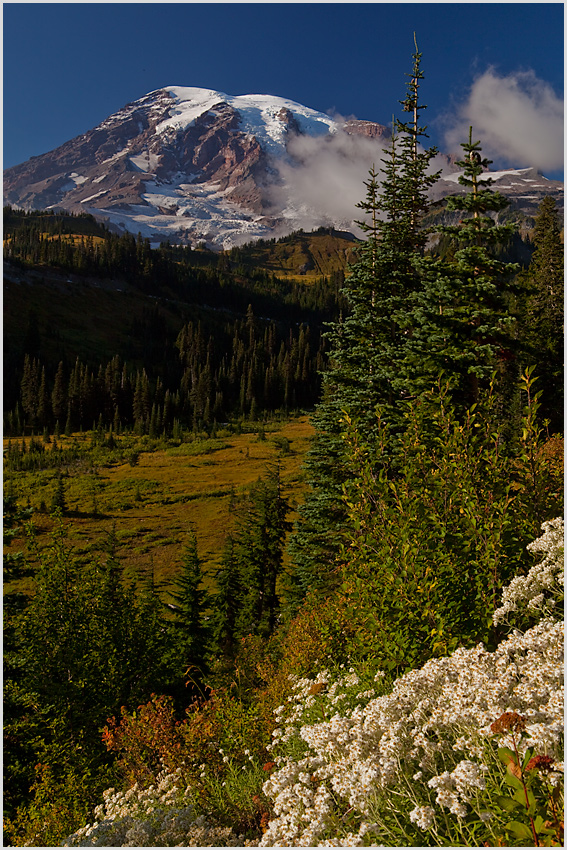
522,780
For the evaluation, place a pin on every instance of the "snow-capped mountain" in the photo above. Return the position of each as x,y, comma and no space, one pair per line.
191,164
525,187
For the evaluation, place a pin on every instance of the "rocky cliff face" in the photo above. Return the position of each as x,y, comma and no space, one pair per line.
193,165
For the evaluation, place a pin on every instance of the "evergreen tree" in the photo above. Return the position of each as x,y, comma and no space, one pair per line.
317,534
29,389
458,322
247,600
68,422
542,322
368,346
227,602
372,340
188,628
58,502
259,548
43,402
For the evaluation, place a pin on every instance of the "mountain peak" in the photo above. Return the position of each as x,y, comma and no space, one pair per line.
260,115
193,164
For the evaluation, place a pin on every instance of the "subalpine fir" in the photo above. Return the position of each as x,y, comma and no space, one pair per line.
368,344
542,320
188,629
458,324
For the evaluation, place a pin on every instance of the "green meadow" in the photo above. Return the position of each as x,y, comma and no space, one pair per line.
151,493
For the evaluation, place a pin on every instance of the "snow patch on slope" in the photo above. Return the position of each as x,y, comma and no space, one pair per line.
521,173
259,114
77,179
188,213
92,197
145,161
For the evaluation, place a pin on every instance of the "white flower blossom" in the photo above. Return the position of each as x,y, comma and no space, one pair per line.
373,745
157,817
541,589
423,817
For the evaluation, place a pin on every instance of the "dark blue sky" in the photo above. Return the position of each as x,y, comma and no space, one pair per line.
67,66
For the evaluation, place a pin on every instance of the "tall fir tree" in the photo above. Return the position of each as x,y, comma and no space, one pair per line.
458,322
259,546
190,635
226,603
318,532
247,601
542,321
367,346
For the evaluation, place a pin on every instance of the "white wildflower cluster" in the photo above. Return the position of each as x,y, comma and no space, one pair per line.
541,589
316,699
159,816
434,725
351,760
453,787
423,816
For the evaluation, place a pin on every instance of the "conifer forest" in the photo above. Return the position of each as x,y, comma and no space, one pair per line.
283,549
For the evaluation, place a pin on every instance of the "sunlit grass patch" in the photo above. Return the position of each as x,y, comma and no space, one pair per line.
151,505
197,447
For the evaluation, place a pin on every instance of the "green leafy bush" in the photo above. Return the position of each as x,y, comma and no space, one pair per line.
438,533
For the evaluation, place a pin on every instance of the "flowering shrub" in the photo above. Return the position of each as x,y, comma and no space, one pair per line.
159,816
422,765
394,770
464,751
540,592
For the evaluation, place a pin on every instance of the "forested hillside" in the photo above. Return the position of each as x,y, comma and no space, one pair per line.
372,655
144,337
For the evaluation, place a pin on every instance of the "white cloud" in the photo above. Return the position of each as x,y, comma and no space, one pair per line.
518,118
322,180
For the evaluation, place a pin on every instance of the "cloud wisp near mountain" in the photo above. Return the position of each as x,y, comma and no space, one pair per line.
197,165
518,117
